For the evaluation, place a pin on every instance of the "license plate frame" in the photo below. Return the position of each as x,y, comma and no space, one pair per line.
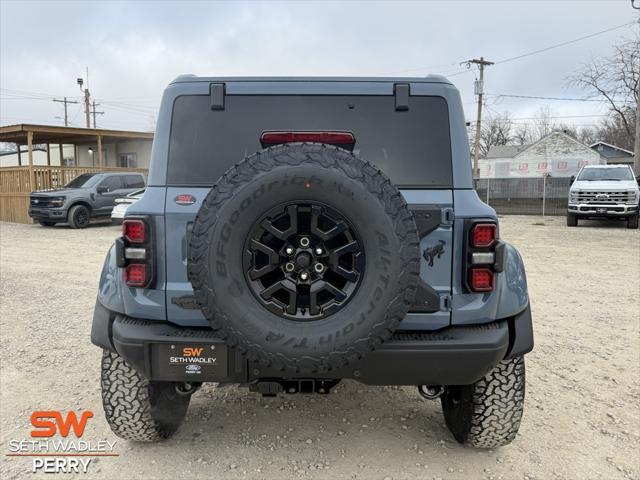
189,361
601,210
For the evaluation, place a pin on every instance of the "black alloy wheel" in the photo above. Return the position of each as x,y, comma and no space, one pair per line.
303,261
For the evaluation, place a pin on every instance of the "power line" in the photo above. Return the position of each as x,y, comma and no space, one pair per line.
535,97
523,55
562,44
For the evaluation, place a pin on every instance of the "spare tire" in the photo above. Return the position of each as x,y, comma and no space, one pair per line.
304,257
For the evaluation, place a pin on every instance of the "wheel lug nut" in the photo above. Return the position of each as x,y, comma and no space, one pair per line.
289,267
304,276
319,251
304,242
289,250
318,267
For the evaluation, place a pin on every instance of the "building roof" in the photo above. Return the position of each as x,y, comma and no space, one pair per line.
512,151
55,134
505,151
613,147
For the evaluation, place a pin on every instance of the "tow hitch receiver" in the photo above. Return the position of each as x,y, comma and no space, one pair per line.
271,387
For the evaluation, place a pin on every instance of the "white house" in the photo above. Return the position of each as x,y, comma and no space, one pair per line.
555,155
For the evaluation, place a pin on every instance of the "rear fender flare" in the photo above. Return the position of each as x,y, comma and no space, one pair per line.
110,288
511,284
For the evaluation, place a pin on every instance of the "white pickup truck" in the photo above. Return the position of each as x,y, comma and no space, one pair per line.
609,191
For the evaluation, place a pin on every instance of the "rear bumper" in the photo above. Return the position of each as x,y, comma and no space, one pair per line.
605,210
451,356
48,214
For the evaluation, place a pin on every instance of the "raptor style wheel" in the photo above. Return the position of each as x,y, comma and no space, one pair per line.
303,261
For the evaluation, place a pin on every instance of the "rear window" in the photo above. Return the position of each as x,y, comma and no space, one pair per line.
412,147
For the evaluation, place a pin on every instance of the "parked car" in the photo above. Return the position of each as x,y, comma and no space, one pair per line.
351,244
87,196
122,204
604,191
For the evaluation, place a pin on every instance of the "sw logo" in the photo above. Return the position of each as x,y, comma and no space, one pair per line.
48,423
192,351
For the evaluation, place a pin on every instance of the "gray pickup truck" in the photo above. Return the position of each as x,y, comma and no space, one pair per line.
296,232
87,196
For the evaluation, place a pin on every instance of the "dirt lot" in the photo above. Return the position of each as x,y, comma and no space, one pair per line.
582,414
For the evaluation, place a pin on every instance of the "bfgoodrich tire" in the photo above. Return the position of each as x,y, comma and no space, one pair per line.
487,414
632,222
137,409
572,220
277,201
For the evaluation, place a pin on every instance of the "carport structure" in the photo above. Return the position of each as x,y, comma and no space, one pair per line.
16,182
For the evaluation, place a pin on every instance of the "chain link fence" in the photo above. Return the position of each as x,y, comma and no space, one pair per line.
525,196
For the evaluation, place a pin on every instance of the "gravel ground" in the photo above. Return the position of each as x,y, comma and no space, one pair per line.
582,412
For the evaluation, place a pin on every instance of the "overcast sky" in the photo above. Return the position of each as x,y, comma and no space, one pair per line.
134,49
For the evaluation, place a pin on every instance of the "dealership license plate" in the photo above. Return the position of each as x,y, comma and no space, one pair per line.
190,361
601,210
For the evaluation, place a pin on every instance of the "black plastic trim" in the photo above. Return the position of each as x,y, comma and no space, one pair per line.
101,326
401,93
217,92
454,355
520,334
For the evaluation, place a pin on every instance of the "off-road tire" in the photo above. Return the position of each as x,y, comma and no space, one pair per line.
136,408
79,216
632,222
45,223
487,414
572,220
342,181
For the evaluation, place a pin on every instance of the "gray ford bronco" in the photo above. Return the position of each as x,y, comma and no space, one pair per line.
300,231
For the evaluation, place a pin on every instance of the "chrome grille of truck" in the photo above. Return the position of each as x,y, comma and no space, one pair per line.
605,198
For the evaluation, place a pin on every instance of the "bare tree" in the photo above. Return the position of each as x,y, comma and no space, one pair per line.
521,134
543,123
588,135
494,132
615,80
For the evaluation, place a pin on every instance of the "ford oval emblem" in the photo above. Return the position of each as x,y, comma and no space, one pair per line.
185,199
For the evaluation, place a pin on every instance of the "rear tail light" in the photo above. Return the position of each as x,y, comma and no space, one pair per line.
134,252
481,279
481,256
483,235
341,139
134,231
135,275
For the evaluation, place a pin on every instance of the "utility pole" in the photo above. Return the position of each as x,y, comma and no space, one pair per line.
66,116
94,112
636,146
478,90
87,102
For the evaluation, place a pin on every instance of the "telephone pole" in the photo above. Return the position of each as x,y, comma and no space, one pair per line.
66,116
636,146
87,100
479,87
94,112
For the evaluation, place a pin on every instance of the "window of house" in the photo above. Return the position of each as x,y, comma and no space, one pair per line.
128,160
